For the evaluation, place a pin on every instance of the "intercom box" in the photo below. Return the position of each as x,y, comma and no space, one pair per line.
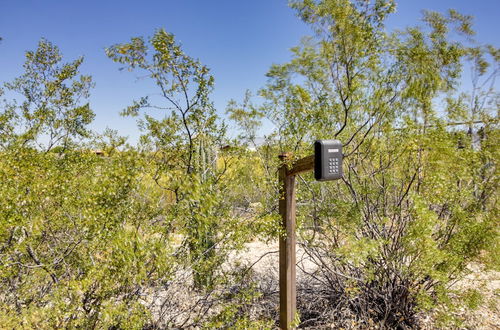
328,160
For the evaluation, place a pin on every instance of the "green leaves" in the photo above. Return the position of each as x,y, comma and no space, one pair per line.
77,233
182,147
132,53
184,85
84,238
53,95
408,208
246,116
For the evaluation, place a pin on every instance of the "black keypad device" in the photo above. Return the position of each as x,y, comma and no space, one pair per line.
327,160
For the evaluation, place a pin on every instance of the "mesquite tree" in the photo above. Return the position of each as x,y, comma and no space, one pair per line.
77,236
52,110
414,206
183,144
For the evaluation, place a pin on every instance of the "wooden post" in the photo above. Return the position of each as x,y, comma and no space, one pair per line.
287,243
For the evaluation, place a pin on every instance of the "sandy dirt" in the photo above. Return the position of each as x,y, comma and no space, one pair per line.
264,258
487,316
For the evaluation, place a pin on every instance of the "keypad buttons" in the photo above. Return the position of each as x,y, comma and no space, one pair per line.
327,160
333,165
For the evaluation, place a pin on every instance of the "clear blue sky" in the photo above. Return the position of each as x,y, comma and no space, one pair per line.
237,39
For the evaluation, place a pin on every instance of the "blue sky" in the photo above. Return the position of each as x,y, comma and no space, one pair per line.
237,39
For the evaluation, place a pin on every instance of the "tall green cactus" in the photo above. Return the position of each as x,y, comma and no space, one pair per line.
203,225
205,158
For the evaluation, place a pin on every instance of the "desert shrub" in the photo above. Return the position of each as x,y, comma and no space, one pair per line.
143,237
87,239
78,243
417,201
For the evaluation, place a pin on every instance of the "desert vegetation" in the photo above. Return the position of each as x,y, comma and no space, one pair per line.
151,236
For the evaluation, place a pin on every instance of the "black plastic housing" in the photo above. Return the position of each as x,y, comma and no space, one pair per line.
328,160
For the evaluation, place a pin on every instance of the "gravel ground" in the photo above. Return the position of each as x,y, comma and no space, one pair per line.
487,316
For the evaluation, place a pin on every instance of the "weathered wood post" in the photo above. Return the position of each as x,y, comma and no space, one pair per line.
287,259
327,165
287,242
